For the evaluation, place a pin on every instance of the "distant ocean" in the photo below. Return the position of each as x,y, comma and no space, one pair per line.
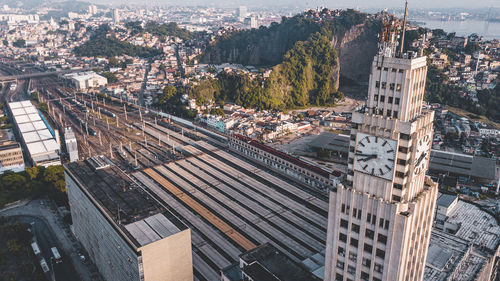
489,30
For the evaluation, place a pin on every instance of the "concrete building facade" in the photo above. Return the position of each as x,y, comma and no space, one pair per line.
380,221
128,235
11,156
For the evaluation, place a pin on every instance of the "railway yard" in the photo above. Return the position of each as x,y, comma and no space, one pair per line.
230,204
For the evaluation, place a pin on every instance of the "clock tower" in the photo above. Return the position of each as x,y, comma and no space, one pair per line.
380,219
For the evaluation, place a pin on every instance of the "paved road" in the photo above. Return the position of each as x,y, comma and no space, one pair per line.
45,239
54,232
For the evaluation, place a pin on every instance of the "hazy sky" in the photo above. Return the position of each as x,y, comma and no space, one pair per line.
325,3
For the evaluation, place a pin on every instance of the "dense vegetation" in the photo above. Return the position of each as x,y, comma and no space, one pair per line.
33,182
160,30
100,44
17,260
306,73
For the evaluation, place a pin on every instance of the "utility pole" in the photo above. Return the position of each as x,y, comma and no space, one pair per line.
117,124
107,122
121,147
100,138
125,110
140,113
159,139
110,151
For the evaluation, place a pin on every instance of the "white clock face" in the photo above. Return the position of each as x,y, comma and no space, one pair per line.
375,155
422,153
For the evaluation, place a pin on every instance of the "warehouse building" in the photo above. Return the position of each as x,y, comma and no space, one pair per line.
11,155
38,139
127,234
86,80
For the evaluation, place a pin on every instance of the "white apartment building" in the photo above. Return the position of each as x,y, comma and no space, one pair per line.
380,222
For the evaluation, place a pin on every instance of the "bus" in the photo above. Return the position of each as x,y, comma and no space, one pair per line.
35,247
56,254
44,265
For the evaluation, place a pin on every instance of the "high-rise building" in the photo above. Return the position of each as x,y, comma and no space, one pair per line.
380,221
92,10
242,12
116,16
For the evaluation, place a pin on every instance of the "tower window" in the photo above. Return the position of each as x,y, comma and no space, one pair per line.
396,101
398,186
390,99
391,86
365,276
377,84
382,239
340,264
400,70
368,248
353,257
355,228
354,242
342,237
341,251
367,262
396,198
384,85
398,87
389,113
404,136
380,254
368,217
344,223
375,97
394,70
369,233
395,114
378,267
382,98
386,69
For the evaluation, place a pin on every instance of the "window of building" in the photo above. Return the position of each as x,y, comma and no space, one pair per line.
355,228
354,212
386,226
375,97
368,248
343,208
404,136
396,198
384,85
379,68
369,233
396,101
368,217
382,98
398,186
377,84
339,277
340,264
403,149
390,99
377,267
351,269
391,86
389,113
395,114
341,251
344,223
367,262
365,276
352,257
381,222
382,239
342,237
374,219
394,70
359,214
400,175
398,87
400,70
402,162
386,69
354,242
380,253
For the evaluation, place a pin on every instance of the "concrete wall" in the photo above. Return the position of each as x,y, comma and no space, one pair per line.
169,259
115,259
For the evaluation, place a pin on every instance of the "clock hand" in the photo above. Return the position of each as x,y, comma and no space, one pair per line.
369,157
362,154
420,158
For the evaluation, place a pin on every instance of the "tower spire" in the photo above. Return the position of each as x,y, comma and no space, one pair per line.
403,30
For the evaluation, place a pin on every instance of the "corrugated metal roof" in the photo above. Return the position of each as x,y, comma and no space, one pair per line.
151,229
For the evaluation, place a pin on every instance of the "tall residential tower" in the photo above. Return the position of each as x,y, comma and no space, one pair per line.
380,221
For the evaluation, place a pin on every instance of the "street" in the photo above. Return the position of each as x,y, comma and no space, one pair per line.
50,231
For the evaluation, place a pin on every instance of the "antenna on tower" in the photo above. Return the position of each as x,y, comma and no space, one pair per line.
403,30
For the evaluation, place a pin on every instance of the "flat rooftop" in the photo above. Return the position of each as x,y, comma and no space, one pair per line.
331,141
476,226
139,216
462,164
37,137
267,263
